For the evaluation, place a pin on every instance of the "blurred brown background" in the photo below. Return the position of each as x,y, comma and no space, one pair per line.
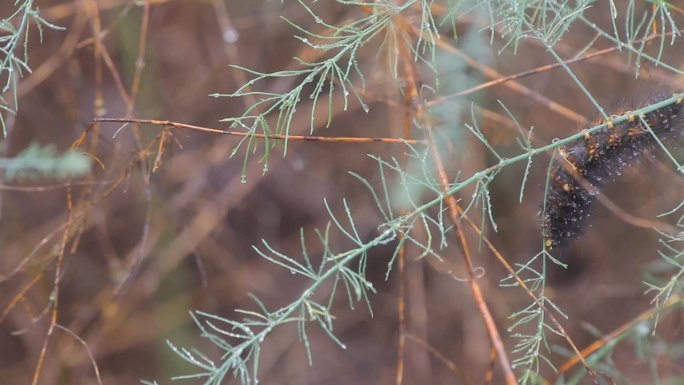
147,248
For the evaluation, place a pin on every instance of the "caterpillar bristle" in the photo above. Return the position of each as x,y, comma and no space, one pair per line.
596,159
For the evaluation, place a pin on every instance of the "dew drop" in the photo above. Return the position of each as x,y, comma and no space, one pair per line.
230,36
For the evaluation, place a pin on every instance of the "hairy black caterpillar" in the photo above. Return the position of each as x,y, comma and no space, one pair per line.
596,159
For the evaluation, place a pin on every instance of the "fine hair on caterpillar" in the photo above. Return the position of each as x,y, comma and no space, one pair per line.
580,169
